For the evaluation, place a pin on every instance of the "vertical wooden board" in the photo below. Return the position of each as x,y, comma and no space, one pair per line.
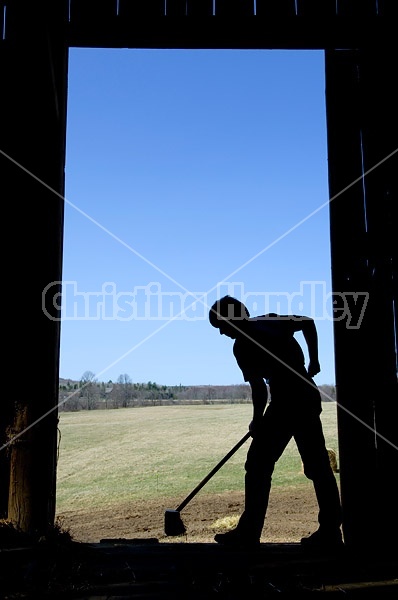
344,150
234,8
130,9
200,8
347,219
33,109
176,8
380,141
380,135
316,8
355,396
357,8
19,22
387,8
275,8
86,11
2,22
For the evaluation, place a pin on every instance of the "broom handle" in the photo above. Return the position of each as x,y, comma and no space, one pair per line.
213,471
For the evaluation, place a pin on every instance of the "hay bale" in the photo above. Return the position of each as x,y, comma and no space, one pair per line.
333,460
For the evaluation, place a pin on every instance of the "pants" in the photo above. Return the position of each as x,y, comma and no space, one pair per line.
279,426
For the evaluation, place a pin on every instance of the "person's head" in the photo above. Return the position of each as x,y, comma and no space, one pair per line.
228,314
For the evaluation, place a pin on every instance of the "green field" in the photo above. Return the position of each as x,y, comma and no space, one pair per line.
108,457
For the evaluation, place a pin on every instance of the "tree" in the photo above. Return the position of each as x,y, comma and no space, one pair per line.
88,389
126,389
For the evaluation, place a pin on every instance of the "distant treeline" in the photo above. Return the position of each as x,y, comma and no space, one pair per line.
90,394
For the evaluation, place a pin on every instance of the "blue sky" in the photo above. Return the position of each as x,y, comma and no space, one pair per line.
191,171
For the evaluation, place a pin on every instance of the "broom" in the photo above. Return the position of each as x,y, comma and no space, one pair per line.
173,524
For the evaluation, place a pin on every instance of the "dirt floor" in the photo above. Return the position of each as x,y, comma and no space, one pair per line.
292,514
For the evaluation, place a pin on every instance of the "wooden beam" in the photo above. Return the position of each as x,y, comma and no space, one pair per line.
262,32
33,109
380,159
234,8
388,8
349,276
271,9
199,8
176,8
356,8
316,8
130,10
89,11
362,129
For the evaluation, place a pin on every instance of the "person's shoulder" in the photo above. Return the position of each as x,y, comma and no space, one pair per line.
272,317
261,318
284,318
268,318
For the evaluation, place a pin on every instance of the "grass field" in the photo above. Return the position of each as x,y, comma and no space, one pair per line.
108,457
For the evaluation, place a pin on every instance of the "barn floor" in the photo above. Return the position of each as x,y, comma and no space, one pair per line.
147,569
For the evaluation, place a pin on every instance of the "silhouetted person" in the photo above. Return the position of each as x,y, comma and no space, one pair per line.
266,351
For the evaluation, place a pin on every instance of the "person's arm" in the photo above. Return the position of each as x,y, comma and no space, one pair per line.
259,400
311,337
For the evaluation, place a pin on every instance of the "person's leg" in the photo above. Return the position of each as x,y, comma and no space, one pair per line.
312,447
265,449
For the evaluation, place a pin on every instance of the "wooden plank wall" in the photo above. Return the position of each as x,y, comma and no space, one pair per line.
380,164
33,74
362,138
279,24
102,9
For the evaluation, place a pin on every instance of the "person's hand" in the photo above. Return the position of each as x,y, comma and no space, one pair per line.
254,427
314,368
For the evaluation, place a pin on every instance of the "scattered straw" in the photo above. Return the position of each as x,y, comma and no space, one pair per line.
225,523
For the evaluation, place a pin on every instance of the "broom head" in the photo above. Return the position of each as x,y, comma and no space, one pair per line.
173,524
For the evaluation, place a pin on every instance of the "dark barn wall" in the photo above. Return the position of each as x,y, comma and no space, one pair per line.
33,107
362,130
